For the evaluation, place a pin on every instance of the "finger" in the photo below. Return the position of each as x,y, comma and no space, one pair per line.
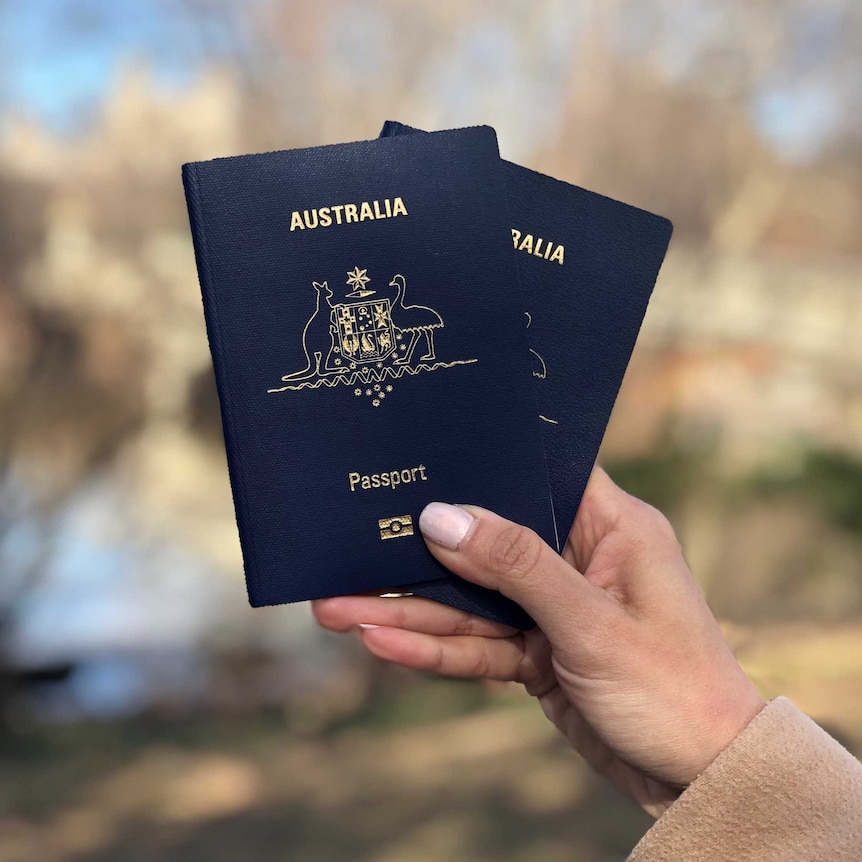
630,531
514,659
600,510
597,513
489,550
560,711
343,613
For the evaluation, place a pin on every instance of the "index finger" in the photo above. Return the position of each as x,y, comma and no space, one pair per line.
343,613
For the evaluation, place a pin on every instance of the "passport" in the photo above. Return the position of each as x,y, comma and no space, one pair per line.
588,265
364,315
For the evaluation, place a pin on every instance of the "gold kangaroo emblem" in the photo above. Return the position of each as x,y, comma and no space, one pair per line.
318,339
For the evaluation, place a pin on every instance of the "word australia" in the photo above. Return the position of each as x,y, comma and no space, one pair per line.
539,247
346,213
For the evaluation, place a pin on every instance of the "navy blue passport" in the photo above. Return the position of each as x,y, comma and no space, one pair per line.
587,266
365,319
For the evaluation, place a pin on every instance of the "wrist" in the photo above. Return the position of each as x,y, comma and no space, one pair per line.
722,720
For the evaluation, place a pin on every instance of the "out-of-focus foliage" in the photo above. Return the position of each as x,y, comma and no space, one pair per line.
831,481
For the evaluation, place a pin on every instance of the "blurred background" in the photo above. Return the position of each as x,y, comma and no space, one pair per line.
146,713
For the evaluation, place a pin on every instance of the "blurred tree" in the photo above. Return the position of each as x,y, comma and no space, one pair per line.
678,125
679,107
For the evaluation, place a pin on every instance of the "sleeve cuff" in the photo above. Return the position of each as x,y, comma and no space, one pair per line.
782,790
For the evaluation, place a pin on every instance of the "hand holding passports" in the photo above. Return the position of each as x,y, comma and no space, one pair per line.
405,320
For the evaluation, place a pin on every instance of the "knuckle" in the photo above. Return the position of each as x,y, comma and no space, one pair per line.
527,672
662,526
534,668
654,524
463,624
482,663
515,551
437,664
400,620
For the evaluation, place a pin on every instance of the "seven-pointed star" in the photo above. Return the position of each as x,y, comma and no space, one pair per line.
357,278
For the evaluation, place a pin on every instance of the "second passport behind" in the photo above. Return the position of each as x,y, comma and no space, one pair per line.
587,267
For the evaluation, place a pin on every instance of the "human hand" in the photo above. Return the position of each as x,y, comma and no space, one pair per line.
627,660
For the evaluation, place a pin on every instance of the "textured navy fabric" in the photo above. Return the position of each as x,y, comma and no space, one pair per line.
583,314
353,351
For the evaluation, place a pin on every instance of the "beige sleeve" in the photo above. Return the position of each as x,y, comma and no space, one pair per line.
782,790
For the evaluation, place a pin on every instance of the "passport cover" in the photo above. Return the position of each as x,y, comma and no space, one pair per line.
364,316
587,266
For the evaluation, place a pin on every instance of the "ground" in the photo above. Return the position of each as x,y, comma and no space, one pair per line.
435,770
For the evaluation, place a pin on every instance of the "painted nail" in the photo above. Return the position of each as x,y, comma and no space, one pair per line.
367,626
445,524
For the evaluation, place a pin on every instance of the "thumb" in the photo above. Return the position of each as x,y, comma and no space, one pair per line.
489,550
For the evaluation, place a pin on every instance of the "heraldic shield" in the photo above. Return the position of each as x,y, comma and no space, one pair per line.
364,330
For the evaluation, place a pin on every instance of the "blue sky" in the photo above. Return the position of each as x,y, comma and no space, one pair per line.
60,56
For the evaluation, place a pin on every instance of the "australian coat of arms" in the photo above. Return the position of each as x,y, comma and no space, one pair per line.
365,339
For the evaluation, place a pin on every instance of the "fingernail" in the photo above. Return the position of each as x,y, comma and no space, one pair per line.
367,626
447,525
